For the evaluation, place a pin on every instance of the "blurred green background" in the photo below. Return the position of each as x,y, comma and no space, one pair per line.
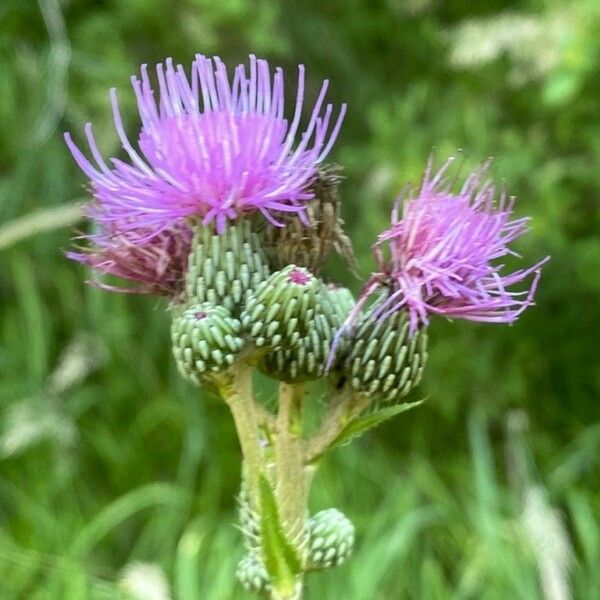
117,479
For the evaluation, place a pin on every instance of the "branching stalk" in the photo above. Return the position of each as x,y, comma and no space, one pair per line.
344,407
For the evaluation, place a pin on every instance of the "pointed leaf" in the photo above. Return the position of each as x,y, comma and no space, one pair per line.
281,560
360,425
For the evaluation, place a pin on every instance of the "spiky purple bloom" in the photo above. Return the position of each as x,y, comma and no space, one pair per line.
209,147
442,253
155,266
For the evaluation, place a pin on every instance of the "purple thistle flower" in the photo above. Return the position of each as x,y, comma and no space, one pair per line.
442,251
210,148
157,266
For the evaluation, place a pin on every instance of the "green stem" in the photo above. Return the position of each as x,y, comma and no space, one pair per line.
290,476
291,486
344,407
297,595
235,387
293,479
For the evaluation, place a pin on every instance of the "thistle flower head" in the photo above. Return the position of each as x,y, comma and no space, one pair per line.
211,147
308,239
154,266
443,250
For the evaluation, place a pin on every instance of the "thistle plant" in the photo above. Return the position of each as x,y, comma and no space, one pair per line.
228,210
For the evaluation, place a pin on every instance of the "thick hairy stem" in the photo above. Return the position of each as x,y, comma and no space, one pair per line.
293,479
289,474
345,406
235,387
291,484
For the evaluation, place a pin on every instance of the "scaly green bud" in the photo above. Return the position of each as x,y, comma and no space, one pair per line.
224,267
308,244
292,314
331,539
288,308
303,363
385,362
252,574
342,299
206,340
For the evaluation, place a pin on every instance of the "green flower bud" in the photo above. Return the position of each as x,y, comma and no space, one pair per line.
342,299
308,245
331,539
224,267
292,314
385,362
252,574
206,340
293,365
289,308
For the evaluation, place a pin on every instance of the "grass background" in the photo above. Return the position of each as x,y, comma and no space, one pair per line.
114,474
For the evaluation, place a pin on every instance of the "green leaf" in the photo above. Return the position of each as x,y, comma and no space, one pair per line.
358,426
281,560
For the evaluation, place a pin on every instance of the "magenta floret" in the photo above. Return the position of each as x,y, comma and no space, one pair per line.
209,147
443,250
155,266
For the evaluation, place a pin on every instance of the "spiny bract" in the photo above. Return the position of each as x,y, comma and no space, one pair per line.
308,241
287,308
385,361
224,267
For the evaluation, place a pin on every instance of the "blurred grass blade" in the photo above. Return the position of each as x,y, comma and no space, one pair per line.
187,563
111,517
37,330
46,219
